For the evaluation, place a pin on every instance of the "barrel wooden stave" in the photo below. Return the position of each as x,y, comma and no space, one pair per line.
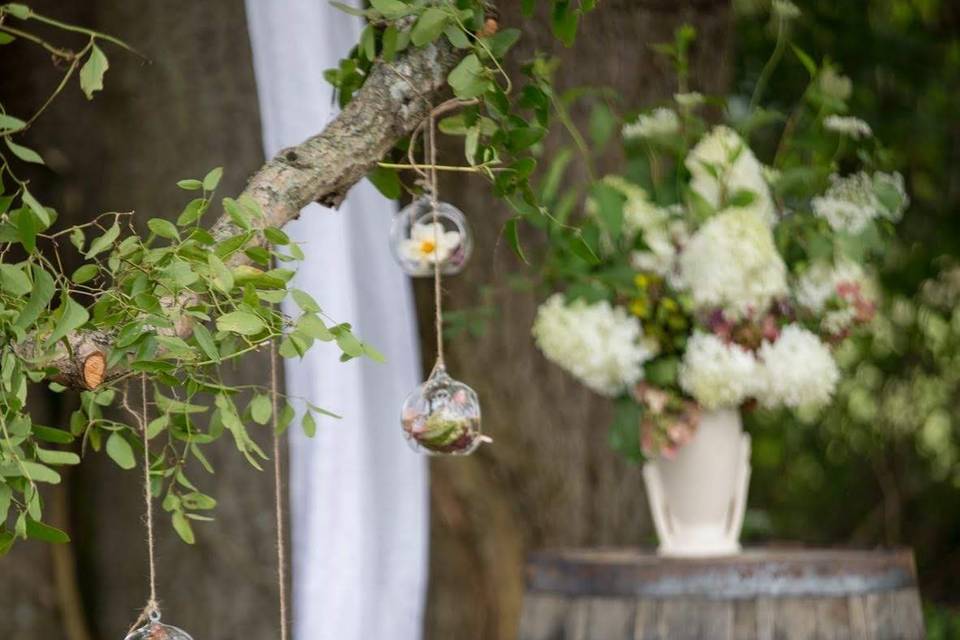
878,607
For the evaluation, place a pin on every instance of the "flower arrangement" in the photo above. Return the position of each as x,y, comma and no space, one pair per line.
726,262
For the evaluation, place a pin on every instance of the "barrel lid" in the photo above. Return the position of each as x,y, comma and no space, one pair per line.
753,573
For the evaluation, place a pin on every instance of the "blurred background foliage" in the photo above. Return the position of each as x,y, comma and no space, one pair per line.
882,466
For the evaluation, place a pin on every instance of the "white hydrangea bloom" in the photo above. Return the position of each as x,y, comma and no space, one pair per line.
848,126
731,263
599,344
851,202
659,123
716,374
819,283
721,164
797,371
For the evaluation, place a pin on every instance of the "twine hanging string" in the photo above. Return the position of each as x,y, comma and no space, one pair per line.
278,494
151,612
431,152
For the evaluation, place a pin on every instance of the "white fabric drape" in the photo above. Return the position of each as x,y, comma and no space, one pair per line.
358,493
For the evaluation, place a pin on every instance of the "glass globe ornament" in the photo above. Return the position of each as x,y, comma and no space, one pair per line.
442,417
418,242
155,630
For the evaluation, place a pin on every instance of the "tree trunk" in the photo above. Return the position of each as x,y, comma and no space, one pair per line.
191,107
550,478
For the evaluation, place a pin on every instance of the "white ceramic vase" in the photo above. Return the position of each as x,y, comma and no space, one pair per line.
698,498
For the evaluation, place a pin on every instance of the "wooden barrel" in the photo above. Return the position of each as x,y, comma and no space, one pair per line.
606,594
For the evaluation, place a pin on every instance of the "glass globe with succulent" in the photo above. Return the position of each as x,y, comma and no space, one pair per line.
442,416
156,630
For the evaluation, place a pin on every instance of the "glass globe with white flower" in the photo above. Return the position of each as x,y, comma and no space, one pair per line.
442,416
421,237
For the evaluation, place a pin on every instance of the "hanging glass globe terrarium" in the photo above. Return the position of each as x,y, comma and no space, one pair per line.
155,630
442,416
419,238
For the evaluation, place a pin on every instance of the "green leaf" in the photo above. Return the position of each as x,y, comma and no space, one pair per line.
190,184
24,153
222,276
391,9
805,60
512,231
387,182
13,280
91,74
205,341
49,434
373,354
50,456
429,27
276,236
305,301
467,79
212,179
314,327
238,214
72,316
192,212
104,242
120,451
36,207
241,322
9,124
456,36
40,296
348,343
261,408
624,434
609,203
368,43
45,533
501,42
17,10
86,273
346,8
163,228
34,470
182,526
566,19
309,424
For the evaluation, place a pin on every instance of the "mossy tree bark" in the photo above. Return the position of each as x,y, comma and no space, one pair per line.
550,478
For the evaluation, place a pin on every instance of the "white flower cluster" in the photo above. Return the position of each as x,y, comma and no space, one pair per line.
721,164
852,202
689,100
717,374
659,123
819,283
797,370
731,262
599,344
848,126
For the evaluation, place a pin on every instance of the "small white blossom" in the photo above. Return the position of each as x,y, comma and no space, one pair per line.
689,100
851,202
797,371
659,123
848,126
429,243
785,9
731,263
717,374
834,85
721,164
601,345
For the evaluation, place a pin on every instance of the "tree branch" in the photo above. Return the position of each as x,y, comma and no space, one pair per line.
392,102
